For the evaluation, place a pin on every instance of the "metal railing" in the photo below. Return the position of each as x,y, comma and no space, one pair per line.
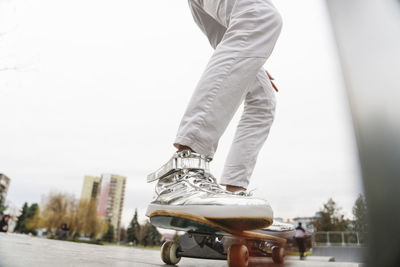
338,239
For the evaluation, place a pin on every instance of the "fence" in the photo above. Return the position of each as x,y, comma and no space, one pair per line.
338,239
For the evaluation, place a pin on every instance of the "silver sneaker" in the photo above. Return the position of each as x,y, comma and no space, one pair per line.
186,185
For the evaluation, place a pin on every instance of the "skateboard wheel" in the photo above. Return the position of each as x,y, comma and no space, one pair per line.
169,252
278,254
238,256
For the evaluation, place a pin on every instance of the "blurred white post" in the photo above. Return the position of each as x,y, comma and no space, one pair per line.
368,39
358,239
328,242
343,243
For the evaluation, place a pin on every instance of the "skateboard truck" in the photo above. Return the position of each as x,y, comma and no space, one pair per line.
182,160
206,239
236,250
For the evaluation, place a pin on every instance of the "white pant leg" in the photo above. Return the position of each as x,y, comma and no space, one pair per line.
251,133
252,28
257,117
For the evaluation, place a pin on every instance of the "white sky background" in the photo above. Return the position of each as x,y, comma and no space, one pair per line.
101,86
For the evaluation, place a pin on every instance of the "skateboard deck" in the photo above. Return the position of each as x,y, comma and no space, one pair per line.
181,221
243,223
207,239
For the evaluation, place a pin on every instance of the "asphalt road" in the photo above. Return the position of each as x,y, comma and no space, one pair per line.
25,251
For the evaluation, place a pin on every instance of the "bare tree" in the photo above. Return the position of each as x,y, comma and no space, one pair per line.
92,224
55,212
80,216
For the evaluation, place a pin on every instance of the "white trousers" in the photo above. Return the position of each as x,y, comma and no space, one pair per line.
243,34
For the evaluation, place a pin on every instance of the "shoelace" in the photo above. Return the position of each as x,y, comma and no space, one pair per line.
205,181
244,193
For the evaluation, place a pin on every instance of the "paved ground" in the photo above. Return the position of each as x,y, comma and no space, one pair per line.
347,254
25,251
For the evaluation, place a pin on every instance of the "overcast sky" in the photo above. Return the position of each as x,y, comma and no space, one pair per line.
91,87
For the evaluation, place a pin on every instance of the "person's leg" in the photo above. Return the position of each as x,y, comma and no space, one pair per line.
188,186
298,246
301,247
212,29
251,133
257,116
252,30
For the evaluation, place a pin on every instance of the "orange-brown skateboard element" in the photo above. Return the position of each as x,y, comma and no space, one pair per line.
241,224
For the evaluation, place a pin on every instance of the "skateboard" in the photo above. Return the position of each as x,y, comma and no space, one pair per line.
207,239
